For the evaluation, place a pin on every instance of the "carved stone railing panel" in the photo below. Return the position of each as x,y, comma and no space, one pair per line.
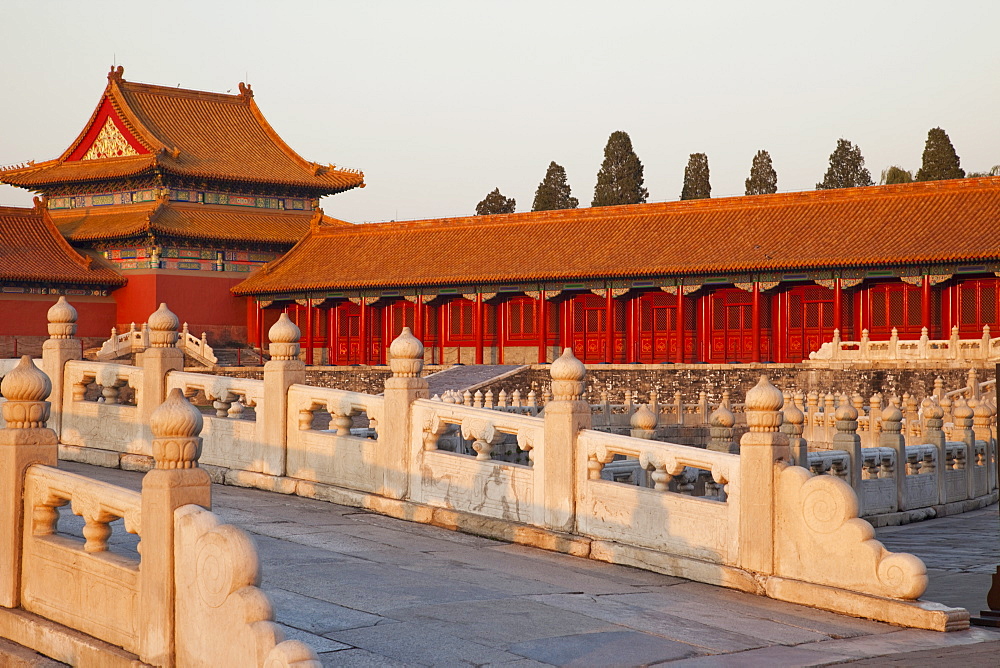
100,595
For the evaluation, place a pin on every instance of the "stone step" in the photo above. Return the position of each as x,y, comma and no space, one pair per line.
469,377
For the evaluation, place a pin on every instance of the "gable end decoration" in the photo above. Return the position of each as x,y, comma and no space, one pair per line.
110,143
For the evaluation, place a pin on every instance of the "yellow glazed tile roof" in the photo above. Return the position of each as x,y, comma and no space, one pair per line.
189,133
932,222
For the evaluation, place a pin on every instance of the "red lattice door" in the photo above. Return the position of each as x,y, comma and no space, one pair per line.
810,320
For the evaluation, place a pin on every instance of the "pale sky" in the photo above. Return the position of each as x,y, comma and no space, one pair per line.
440,102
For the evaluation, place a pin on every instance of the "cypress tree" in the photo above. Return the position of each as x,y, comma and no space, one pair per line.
847,168
994,171
554,192
620,179
763,179
895,174
495,203
696,183
940,160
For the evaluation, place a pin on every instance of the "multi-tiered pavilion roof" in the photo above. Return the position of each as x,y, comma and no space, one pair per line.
181,162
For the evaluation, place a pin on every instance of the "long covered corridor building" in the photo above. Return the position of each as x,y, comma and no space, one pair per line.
742,279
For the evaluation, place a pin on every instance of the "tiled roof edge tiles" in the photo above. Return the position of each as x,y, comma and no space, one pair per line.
81,270
152,134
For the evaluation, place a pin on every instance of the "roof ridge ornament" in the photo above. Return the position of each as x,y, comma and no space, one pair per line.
116,74
245,91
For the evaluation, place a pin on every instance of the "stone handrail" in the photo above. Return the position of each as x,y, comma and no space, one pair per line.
304,400
124,343
484,428
749,521
113,616
136,340
924,348
228,394
606,414
667,516
190,600
662,457
479,480
109,377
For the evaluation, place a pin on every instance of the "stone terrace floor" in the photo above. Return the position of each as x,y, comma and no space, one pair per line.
368,590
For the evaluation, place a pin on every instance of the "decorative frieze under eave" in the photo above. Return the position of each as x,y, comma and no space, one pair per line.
70,291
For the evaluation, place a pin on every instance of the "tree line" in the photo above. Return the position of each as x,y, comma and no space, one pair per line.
620,179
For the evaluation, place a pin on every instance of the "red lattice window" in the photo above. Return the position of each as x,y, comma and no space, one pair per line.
895,305
521,312
402,314
461,318
349,320
978,305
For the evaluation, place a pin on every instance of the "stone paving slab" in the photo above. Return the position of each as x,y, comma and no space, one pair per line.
369,590
622,648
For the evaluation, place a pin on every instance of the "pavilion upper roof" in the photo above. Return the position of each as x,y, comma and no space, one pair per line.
188,220
918,223
33,251
137,128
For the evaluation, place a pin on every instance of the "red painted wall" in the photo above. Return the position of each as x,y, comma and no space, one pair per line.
25,315
202,300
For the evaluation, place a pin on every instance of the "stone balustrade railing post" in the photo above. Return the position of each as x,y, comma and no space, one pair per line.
160,358
283,370
175,481
643,423
25,441
972,380
720,431
792,426
962,416
891,436
934,435
560,467
393,454
761,449
59,348
982,427
847,439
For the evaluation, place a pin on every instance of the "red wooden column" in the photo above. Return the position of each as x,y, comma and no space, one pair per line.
755,323
330,330
838,306
442,307
925,303
946,311
609,334
418,319
253,314
501,320
680,325
630,330
543,327
478,325
566,320
309,331
254,333
364,346
260,327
